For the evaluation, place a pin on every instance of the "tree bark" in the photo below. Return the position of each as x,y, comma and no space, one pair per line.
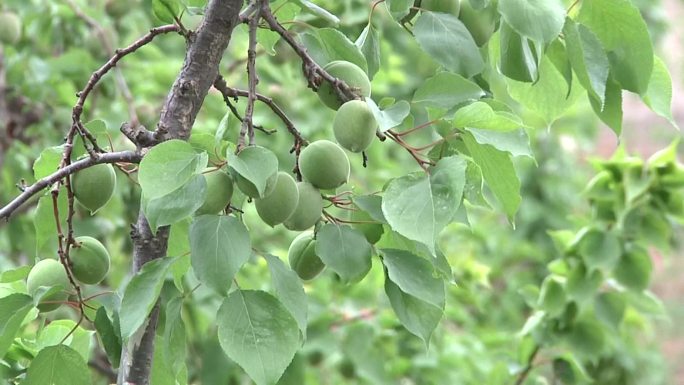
182,105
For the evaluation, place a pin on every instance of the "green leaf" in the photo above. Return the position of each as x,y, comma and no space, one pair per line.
414,276
610,308
611,113
539,20
548,96
371,204
168,166
446,90
334,45
447,41
587,58
13,310
47,162
391,116
481,115
419,206
257,332
399,8
586,338
600,250
165,10
345,250
13,275
141,294
369,44
517,59
418,317
583,284
319,11
659,93
58,365
65,331
295,374
257,165
515,142
176,205
634,268
499,173
285,10
109,336
552,297
289,290
624,35
174,341
558,55
219,246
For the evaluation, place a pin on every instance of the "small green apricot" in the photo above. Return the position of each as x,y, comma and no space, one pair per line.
354,126
309,208
49,273
351,74
10,28
94,186
303,258
281,203
219,192
90,260
324,164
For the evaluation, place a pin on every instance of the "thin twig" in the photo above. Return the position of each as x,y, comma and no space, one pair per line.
109,157
528,368
247,125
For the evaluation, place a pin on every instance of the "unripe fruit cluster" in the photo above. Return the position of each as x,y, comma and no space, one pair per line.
90,263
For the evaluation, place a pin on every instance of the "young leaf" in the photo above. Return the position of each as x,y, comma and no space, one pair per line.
336,46
219,246
391,116
345,250
47,161
414,276
659,93
634,268
611,111
369,43
539,20
176,205
610,308
600,250
624,35
481,115
256,164
109,336
174,343
446,90
165,10
498,172
518,60
418,317
446,39
58,365
257,332
13,309
141,294
289,290
168,166
515,142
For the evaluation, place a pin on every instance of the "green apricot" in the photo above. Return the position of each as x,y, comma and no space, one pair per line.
370,228
309,208
219,192
118,8
481,23
354,126
351,74
48,272
303,258
89,260
276,207
10,27
452,7
94,186
324,164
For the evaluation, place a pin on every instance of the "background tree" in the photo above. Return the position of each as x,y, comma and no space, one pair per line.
390,191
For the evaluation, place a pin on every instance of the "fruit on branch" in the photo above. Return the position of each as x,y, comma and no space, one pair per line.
94,186
481,23
324,164
219,192
349,73
49,273
445,6
10,28
370,228
89,260
303,258
276,207
118,8
347,369
309,208
354,126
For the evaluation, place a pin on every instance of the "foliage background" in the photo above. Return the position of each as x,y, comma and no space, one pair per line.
492,263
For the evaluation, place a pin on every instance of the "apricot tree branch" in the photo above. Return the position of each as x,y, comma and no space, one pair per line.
247,123
27,193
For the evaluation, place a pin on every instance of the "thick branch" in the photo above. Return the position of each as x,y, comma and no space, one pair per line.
182,105
109,157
